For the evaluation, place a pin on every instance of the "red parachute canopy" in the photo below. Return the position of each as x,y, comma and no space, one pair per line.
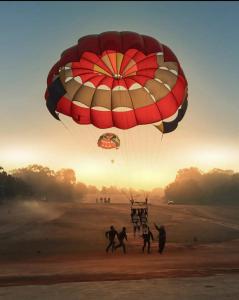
118,79
109,141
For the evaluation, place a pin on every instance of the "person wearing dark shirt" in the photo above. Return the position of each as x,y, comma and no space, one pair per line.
121,237
162,237
147,237
110,235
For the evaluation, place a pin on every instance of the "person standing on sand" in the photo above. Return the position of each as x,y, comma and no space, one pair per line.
121,236
162,237
147,236
110,235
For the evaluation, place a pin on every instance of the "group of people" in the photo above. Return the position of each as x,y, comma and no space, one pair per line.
139,218
102,200
147,236
112,234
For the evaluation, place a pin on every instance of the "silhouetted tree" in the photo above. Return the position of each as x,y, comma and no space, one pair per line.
191,186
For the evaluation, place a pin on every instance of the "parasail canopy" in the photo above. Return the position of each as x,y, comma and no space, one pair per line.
109,141
118,79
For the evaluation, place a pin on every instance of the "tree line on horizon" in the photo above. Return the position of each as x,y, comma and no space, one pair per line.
42,183
191,186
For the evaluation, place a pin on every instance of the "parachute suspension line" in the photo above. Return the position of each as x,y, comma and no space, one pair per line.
150,153
156,158
126,144
70,132
156,142
64,125
94,134
134,142
91,137
153,156
75,138
125,194
130,192
125,153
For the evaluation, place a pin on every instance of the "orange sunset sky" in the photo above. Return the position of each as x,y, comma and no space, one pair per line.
202,35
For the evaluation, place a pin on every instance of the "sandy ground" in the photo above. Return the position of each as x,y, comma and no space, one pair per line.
177,261
220,287
50,251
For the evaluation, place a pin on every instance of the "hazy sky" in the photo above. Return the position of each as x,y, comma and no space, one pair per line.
203,35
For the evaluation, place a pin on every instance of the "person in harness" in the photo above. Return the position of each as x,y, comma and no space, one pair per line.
143,218
110,235
121,237
133,212
147,237
136,222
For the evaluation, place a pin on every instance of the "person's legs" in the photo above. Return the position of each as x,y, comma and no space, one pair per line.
113,246
161,246
108,247
148,246
144,245
138,227
135,230
124,248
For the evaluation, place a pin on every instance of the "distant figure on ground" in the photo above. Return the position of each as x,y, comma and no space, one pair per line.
109,200
105,201
195,239
147,236
162,237
110,235
101,200
96,200
121,237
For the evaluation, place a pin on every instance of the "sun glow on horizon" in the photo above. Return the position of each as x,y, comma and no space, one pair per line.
208,157
130,170
15,156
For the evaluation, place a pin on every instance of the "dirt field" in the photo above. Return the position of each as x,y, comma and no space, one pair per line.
46,244
220,287
34,229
